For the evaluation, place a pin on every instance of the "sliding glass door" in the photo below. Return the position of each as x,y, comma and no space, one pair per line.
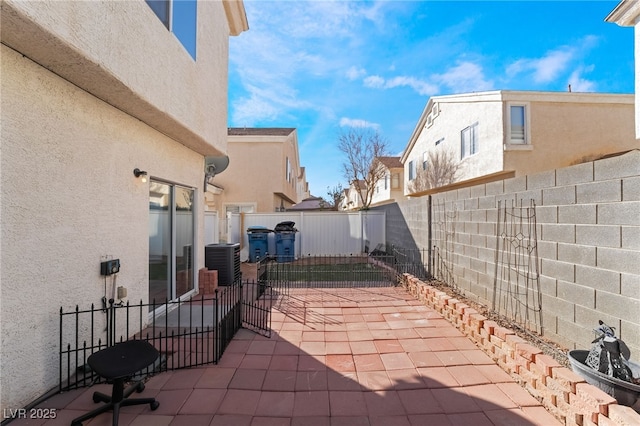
171,239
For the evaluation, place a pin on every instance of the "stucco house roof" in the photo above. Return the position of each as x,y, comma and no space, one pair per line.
312,203
261,131
391,162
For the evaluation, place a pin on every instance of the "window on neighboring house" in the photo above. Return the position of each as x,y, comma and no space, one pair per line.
288,170
180,17
395,180
411,170
239,208
386,181
469,141
518,124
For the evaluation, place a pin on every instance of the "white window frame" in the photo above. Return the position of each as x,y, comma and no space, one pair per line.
412,174
473,146
288,169
509,130
169,7
425,160
395,180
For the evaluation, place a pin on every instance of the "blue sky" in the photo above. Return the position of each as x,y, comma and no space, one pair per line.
321,66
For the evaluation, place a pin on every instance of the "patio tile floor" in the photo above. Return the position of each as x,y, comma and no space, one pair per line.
336,357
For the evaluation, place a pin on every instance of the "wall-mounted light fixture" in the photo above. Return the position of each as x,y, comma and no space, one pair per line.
140,173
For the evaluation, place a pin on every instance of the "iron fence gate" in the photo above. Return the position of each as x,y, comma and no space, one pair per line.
379,270
256,310
186,333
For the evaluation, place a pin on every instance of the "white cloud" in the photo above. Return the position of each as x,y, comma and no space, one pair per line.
420,86
355,73
550,66
248,111
356,122
579,83
374,82
465,77
544,69
290,44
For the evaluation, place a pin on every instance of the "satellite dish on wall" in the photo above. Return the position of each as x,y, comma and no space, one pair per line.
214,166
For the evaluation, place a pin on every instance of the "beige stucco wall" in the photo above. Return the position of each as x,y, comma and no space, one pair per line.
381,195
563,133
69,198
564,128
257,170
123,54
455,116
90,91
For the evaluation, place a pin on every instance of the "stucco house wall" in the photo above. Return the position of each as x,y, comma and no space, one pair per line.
626,14
90,91
571,128
450,116
389,188
257,172
563,128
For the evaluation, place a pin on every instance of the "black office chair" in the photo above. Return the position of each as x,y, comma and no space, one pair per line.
117,364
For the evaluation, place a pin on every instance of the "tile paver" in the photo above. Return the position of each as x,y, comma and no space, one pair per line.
337,357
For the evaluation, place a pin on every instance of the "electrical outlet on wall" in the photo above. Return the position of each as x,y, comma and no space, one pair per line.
110,267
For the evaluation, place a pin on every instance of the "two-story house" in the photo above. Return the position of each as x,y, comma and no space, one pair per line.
389,188
352,199
108,112
501,134
264,173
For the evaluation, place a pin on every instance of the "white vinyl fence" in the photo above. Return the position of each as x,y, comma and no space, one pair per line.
319,233
211,228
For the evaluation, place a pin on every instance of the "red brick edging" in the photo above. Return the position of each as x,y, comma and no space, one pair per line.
562,392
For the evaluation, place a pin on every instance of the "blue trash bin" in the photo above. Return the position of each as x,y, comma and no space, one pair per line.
285,246
258,242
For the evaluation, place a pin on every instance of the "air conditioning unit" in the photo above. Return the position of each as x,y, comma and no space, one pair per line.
224,258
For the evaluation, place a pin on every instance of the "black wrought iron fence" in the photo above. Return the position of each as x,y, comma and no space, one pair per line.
328,272
186,333
412,261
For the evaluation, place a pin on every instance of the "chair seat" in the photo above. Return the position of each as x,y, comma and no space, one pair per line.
124,359
117,364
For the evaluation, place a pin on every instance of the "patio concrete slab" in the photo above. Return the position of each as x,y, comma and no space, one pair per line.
336,357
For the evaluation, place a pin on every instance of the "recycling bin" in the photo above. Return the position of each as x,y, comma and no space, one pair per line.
285,241
258,242
285,246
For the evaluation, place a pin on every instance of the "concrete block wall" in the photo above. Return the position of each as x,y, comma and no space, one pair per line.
588,244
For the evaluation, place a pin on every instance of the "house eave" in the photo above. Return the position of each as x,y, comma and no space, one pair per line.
236,16
625,13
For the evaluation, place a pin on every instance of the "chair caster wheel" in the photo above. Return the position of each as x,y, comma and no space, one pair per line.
154,405
95,401
140,387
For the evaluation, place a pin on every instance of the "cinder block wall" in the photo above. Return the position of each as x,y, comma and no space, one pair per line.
588,243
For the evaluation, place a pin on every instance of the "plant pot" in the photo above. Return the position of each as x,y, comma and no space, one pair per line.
626,393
